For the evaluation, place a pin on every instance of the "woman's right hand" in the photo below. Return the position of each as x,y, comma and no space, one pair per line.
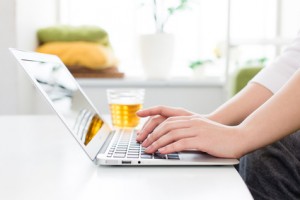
157,115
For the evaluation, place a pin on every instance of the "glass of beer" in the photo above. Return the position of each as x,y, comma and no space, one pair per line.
123,105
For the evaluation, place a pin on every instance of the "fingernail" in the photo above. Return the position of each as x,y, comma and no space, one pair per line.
138,112
144,143
162,149
148,149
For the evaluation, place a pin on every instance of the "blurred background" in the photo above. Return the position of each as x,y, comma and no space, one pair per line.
187,53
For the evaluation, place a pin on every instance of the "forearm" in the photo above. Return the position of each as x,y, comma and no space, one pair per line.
242,105
277,118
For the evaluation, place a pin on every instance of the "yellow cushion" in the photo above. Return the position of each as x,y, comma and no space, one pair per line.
85,54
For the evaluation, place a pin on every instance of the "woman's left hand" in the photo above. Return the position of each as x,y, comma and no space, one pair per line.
194,133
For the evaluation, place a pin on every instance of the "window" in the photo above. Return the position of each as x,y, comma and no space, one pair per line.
255,25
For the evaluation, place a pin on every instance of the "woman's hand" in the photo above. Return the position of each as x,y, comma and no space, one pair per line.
193,132
158,115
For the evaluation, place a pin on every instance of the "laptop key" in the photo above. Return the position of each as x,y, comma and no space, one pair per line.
146,156
134,150
159,156
172,154
125,146
133,153
132,156
134,147
173,157
109,155
119,155
120,152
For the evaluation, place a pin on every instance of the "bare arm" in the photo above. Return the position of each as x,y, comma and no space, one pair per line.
234,111
277,118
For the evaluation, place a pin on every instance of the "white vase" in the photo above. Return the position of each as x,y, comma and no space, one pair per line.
157,52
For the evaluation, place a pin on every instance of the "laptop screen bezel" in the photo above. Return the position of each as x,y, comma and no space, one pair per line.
98,141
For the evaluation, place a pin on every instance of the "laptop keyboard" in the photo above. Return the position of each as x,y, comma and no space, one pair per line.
126,146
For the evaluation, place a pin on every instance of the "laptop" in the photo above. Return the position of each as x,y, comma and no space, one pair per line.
103,144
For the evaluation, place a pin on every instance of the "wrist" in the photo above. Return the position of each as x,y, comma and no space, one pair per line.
210,117
240,141
215,117
247,139
229,144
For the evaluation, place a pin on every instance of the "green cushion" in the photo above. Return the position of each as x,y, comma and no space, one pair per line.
71,33
242,77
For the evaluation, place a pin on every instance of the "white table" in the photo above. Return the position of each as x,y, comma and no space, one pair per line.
40,160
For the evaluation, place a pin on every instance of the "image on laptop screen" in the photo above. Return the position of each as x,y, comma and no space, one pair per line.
66,98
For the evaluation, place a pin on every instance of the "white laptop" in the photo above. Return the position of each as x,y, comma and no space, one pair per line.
103,144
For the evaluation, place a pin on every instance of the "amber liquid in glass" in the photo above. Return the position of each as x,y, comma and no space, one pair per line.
124,115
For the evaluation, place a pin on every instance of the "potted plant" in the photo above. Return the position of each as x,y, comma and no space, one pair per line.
157,49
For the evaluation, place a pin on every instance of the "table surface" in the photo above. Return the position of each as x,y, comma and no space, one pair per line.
41,160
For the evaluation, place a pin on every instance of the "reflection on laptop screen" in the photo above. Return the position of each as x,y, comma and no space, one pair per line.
66,98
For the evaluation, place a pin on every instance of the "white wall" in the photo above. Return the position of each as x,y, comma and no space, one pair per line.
8,70
29,20
19,21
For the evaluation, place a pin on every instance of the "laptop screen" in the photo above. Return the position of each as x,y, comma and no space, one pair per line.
67,99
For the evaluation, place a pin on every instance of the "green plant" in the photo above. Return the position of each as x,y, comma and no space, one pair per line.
160,23
199,63
256,62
